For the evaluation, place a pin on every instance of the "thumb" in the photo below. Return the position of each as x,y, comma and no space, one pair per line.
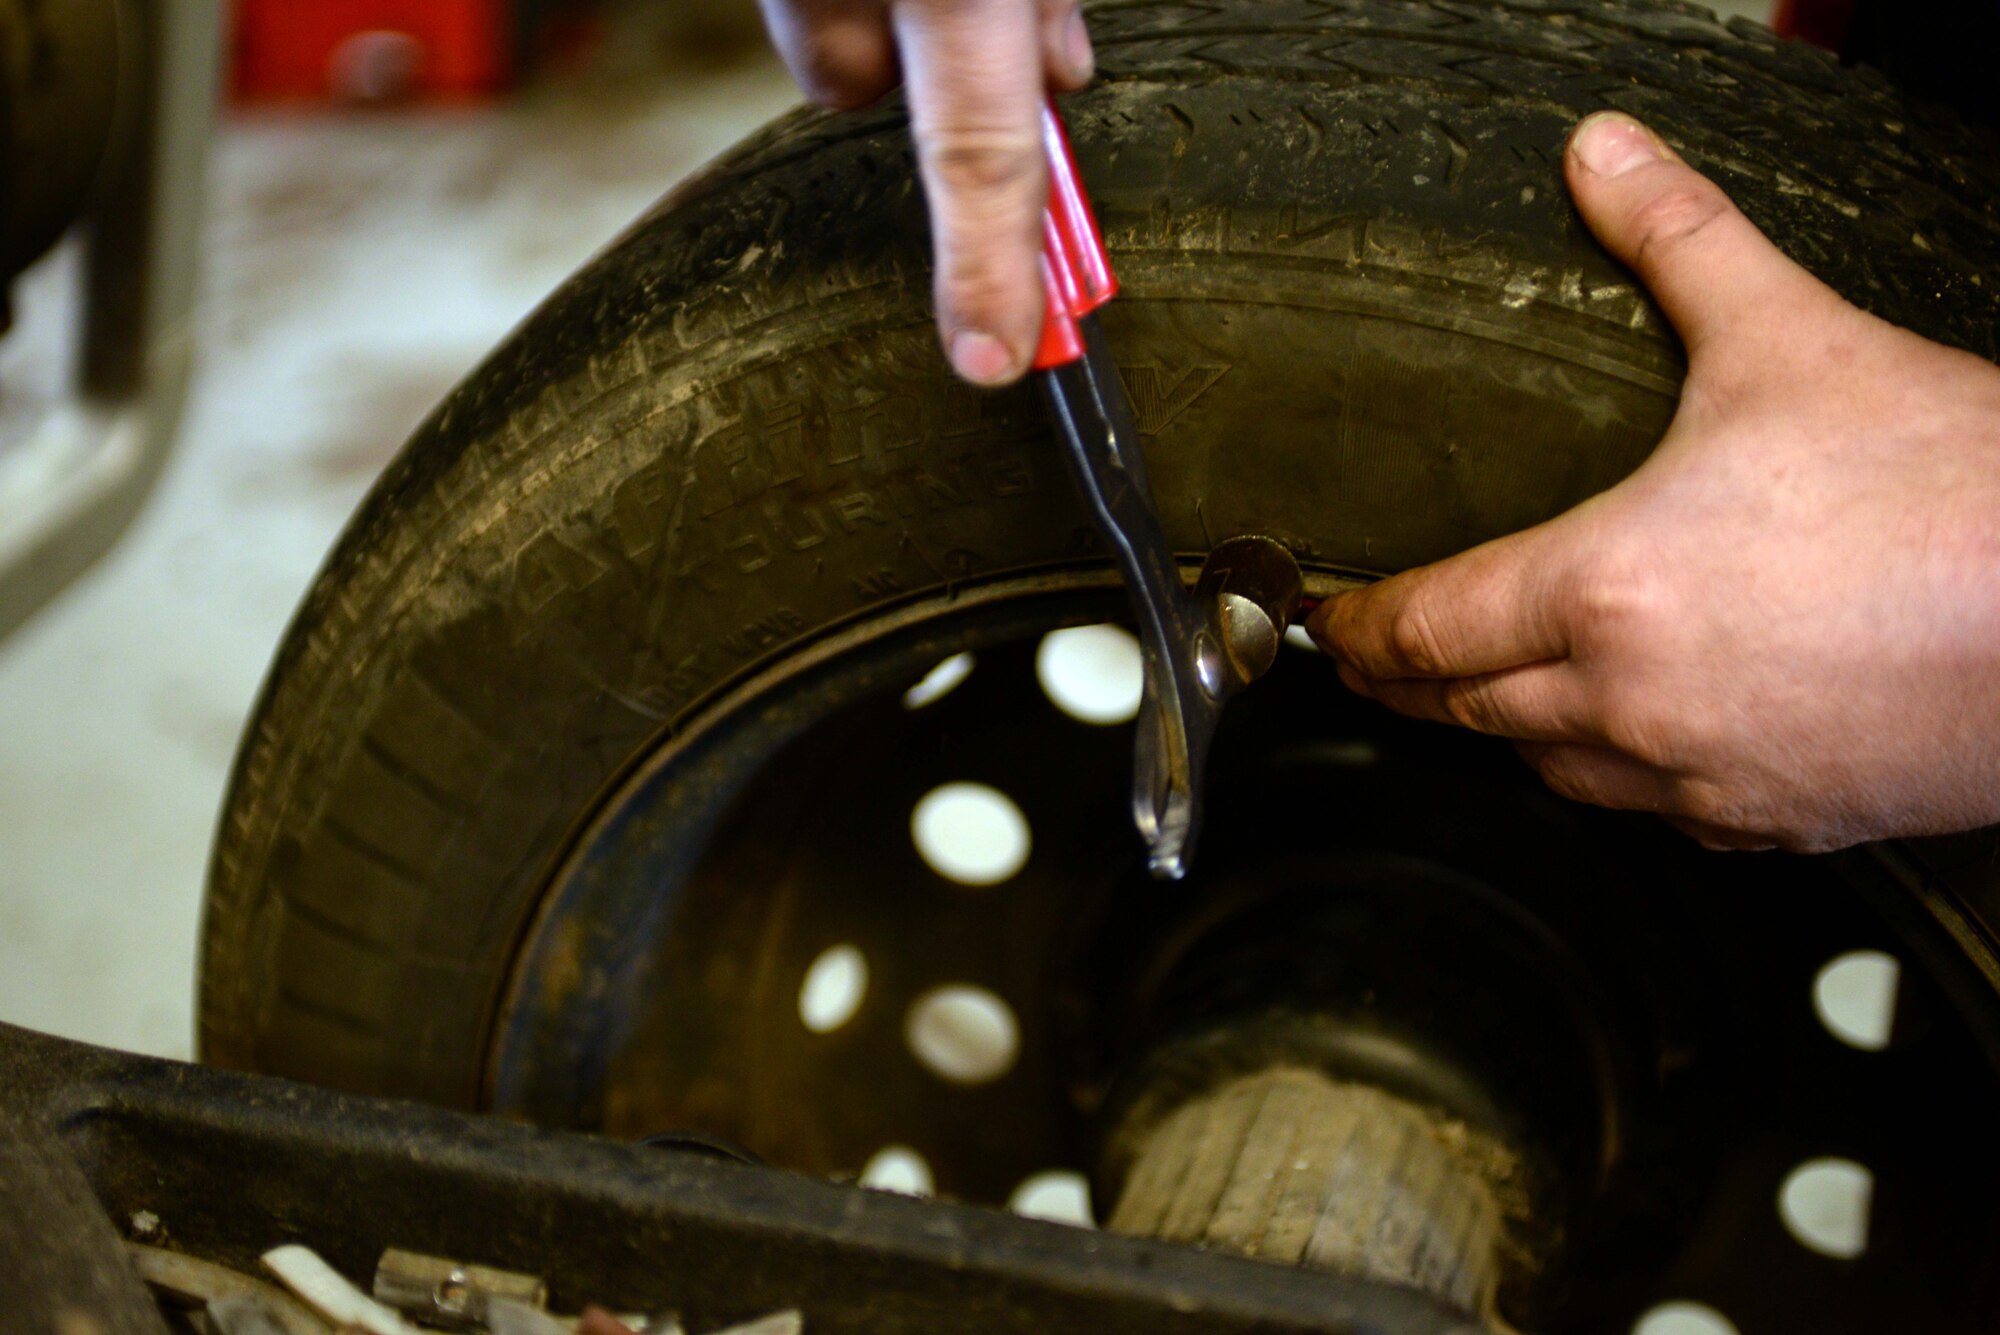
1707,265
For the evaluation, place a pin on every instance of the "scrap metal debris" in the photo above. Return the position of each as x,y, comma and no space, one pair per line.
787,1322
442,1292
189,1280
507,1316
328,1292
246,1302
414,1294
512,1316
261,1314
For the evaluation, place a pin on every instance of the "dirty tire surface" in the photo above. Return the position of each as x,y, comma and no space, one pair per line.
1359,313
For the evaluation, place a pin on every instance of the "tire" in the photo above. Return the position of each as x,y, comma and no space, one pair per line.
1359,313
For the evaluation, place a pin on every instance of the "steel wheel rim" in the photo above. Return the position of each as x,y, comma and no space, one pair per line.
877,661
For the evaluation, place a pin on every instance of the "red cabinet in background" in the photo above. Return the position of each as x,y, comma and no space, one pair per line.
373,50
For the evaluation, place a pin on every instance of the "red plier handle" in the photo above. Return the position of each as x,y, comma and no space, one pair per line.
1076,273
1190,670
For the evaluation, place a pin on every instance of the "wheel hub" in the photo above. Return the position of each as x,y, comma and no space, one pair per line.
753,939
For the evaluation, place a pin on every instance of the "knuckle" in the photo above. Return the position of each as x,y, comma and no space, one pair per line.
1638,722
1561,774
830,89
975,290
1811,839
1711,804
841,58
980,164
848,96
1624,600
1668,220
1469,702
1711,839
1413,638
832,78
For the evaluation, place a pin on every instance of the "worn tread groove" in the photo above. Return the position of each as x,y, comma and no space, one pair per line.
375,856
410,777
319,919
318,1008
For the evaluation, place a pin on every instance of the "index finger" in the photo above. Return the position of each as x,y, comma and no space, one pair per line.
1484,610
975,74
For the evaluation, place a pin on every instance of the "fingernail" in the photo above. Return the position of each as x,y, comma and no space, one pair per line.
1610,143
1076,46
1319,626
1321,632
981,358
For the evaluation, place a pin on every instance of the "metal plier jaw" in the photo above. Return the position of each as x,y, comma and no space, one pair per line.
1201,648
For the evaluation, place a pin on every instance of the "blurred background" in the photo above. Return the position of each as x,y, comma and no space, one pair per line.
392,184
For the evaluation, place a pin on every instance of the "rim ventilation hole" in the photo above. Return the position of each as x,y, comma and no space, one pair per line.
833,988
1855,996
900,1169
1684,1319
1056,1194
939,682
970,833
1825,1203
1295,635
1095,674
963,1034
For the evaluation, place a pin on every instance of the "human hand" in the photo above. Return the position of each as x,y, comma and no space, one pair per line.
977,72
1784,628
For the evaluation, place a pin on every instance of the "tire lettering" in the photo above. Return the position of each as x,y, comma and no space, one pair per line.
1008,475
872,429
748,553
800,528
1159,396
766,632
779,525
878,583
857,506
546,567
639,511
699,568
746,475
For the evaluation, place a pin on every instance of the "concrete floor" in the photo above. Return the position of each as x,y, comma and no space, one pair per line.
357,266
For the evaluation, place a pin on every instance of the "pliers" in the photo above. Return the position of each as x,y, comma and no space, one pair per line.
1198,649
